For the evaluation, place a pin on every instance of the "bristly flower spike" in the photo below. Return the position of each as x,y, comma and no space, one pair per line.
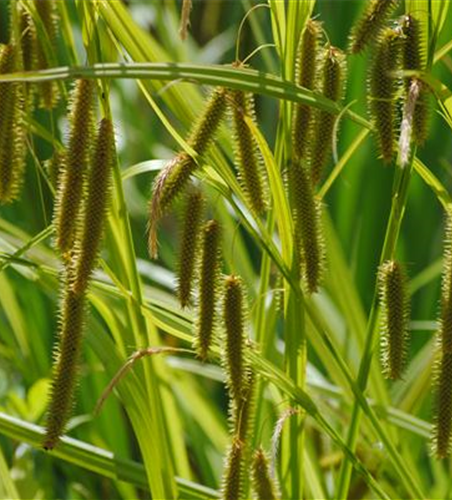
237,369
190,240
370,24
414,60
12,128
209,276
307,212
307,65
48,14
395,315
205,129
263,483
332,86
65,371
383,87
248,160
442,428
95,207
232,484
72,180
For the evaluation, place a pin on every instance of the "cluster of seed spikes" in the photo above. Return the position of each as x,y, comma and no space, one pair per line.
395,315
82,202
395,48
442,429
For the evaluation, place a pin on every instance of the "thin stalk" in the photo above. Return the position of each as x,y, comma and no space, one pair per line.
399,198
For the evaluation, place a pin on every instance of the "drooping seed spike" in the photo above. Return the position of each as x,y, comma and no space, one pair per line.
383,87
307,66
263,483
96,206
332,85
235,360
371,22
249,164
414,60
190,240
65,371
209,276
442,428
12,128
168,185
232,484
71,190
29,50
205,129
48,15
394,318
307,213
55,166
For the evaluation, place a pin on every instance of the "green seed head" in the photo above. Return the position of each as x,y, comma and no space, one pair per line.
442,428
414,60
64,378
235,359
168,185
306,209
232,484
209,275
383,87
12,128
370,24
48,14
207,126
307,66
249,164
332,86
55,166
71,190
395,317
96,206
263,483
191,228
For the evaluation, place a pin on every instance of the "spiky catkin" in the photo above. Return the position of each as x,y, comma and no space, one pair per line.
235,359
395,315
55,166
64,378
72,186
190,239
248,160
383,89
205,129
263,483
29,49
232,484
167,186
414,60
48,14
209,275
306,210
370,24
96,205
442,429
12,128
332,84
237,461
307,63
